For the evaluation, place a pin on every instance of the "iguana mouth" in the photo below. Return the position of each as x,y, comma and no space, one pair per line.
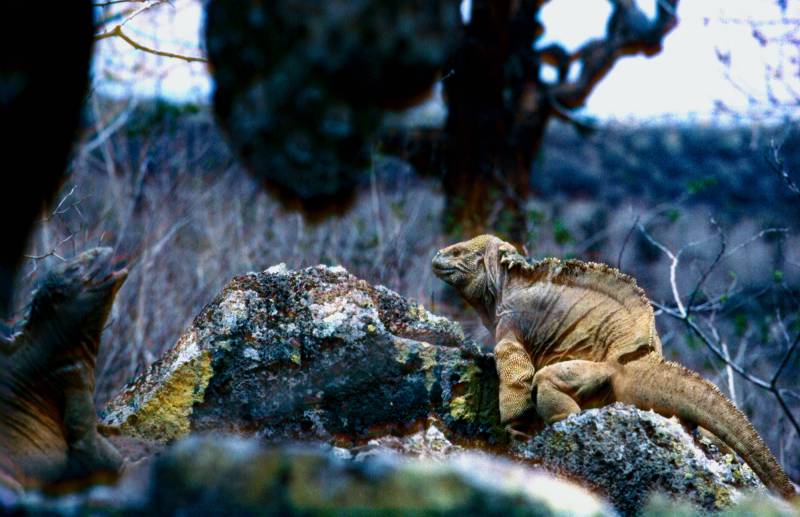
441,267
103,272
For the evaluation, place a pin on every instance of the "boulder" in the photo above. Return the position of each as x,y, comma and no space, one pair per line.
227,475
240,476
629,455
317,355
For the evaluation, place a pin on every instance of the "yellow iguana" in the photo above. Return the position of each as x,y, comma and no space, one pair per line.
572,335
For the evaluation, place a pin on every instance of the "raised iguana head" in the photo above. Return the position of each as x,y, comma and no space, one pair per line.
72,302
472,267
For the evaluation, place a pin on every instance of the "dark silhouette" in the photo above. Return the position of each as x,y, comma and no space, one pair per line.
44,79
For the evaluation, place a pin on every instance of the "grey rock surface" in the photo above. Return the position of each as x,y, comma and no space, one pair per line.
219,475
629,455
315,354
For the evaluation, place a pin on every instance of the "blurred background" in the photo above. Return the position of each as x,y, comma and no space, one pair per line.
679,167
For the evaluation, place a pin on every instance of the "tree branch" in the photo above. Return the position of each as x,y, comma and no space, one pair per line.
683,313
628,32
117,32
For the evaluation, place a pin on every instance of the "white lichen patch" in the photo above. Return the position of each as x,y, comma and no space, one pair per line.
350,316
251,354
277,269
233,309
337,270
667,435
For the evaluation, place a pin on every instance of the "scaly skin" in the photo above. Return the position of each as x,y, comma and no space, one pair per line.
572,335
48,424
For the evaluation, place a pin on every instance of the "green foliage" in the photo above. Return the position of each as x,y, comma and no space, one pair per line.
740,324
561,234
160,114
699,185
536,217
672,215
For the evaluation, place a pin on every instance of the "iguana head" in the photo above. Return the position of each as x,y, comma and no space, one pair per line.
473,267
73,300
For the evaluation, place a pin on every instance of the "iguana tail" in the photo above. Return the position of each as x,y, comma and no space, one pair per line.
671,390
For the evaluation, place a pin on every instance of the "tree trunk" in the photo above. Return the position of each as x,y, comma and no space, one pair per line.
496,121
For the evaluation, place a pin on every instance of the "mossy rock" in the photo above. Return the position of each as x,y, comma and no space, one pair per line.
313,354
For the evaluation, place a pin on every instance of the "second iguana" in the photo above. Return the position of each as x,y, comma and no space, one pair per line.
572,335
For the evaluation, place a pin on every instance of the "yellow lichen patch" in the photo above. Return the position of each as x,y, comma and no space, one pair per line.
459,409
417,311
463,407
165,416
429,360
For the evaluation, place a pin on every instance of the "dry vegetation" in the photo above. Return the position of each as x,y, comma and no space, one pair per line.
160,185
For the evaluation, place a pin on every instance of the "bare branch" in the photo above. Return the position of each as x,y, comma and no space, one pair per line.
628,32
785,360
110,129
115,2
625,242
776,164
117,32
705,275
762,233
673,266
715,344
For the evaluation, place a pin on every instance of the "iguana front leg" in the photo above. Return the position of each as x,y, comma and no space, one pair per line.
562,388
89,453
516,372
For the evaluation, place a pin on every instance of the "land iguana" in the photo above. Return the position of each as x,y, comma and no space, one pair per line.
48,424
572,335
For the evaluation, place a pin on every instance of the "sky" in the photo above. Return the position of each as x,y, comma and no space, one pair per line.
685,80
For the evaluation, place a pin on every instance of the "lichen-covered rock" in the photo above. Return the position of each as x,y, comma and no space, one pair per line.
752,505
300,86
629,454
315,354
235,475
217,475
428,444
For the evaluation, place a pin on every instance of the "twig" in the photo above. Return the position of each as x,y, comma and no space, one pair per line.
625,242
115,2
710,268
673,266
117,32
776,164
52,252
110,129
754,238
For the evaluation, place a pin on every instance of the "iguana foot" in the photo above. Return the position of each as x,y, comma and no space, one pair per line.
516,435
